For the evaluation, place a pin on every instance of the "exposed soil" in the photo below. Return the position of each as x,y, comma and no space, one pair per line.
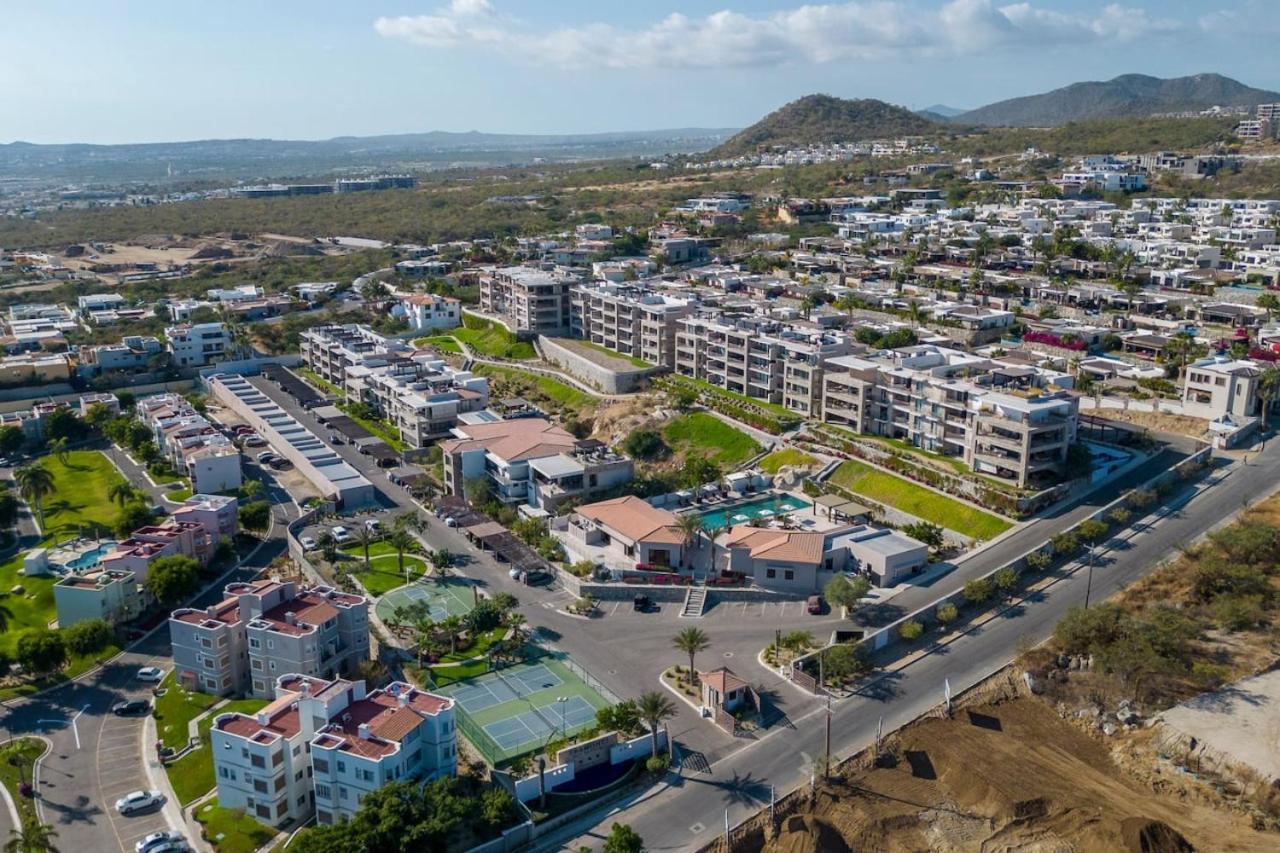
1004,777
1163,421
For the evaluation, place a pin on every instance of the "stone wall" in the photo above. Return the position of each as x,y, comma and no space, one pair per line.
596,375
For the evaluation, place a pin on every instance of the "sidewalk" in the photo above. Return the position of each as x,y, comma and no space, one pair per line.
157,779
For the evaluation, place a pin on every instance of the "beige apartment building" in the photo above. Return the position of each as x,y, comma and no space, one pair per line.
631,319
527,299
1000,423
761,358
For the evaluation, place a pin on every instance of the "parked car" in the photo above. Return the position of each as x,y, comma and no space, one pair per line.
641,603
152,674
373,525
814,605
340,534
157,839
280,463
254,441
307,543
178,845
131,707
537,577
265,456
137,801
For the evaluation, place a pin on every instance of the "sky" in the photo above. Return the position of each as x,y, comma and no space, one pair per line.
112,71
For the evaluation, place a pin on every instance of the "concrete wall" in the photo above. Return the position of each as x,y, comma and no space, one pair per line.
526,789
595,375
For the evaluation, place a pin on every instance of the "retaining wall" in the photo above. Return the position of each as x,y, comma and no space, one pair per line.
598,376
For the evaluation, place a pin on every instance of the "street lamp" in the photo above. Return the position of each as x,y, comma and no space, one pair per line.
1088,585
564,730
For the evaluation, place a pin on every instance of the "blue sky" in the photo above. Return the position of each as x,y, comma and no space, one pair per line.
148,70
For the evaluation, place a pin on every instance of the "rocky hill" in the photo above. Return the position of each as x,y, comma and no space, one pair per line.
823,118
1124,96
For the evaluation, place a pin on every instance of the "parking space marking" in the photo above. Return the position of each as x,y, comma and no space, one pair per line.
616,605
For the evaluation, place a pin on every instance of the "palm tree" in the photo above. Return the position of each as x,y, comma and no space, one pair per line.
691,641
691,527
407,521
451,626
58,447
122,492
1268,388
402,541
913,309
34,482
366,537
34,837
655,708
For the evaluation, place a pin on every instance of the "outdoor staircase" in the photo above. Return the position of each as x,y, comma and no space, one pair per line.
695,602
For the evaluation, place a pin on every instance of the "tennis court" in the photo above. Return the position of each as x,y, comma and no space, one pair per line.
516,710
444,598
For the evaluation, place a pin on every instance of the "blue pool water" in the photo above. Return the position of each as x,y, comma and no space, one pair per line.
90,558
740,513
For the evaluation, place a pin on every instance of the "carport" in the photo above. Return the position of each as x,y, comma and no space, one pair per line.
292,385
383,453
511,549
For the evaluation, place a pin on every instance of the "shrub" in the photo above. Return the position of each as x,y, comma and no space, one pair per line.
1006,580
977,590
645,444
1091,530
1141,498
1238,612
910,630
1082,631
657,763
946,613
1120,515
256,515
1065,544
1039,560
89,636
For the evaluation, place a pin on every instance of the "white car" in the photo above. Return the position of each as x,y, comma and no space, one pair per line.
340,534
138,801
160,841
372,525
151,673
307,543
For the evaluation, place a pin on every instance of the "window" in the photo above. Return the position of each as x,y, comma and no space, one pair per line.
771,573
320,764
257,761
342,792
323,792
271,644
259,686
302,801
342,766
263,811
206,642
257,663
789,575
255,643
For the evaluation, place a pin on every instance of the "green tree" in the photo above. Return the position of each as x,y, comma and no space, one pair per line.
134,515
58,447
402,541
1268,388
946,613
623,839
654,708
977,590
843,661
35,483
172,579
928,533
698,470
910,630
1092,530
645,444
88,636
256,515
364,538
691,528
41,650
11,439
691,641
121,492
1006,580
840,591
33,837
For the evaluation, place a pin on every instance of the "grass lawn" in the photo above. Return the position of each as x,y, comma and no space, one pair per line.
492,340
176,709
705,434
382,429
544,386
917,500
25,750
635,362
323,384
775,461
179,496
479,647
444,343
79,499
384,572
192,774
232,831
925,456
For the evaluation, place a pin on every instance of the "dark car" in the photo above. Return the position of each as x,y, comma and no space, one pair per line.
536,577
133,706
642,603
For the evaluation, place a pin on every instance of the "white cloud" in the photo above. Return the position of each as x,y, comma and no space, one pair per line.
811,33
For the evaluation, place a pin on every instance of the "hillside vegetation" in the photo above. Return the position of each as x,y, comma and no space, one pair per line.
822,118
1115,135
1127,95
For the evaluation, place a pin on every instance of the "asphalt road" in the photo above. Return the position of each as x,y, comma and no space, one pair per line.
96,757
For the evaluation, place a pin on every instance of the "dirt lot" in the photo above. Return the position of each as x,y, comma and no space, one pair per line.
1008,776
1180,424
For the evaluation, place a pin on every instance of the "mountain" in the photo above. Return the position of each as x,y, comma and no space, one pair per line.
1125,96
226,160
822,118
942,110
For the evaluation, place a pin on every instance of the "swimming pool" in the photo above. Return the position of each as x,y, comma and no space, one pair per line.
91,558
741,513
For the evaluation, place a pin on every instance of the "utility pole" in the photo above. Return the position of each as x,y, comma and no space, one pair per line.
727,843
826,763
879,732
1088,584
773,800
946,693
